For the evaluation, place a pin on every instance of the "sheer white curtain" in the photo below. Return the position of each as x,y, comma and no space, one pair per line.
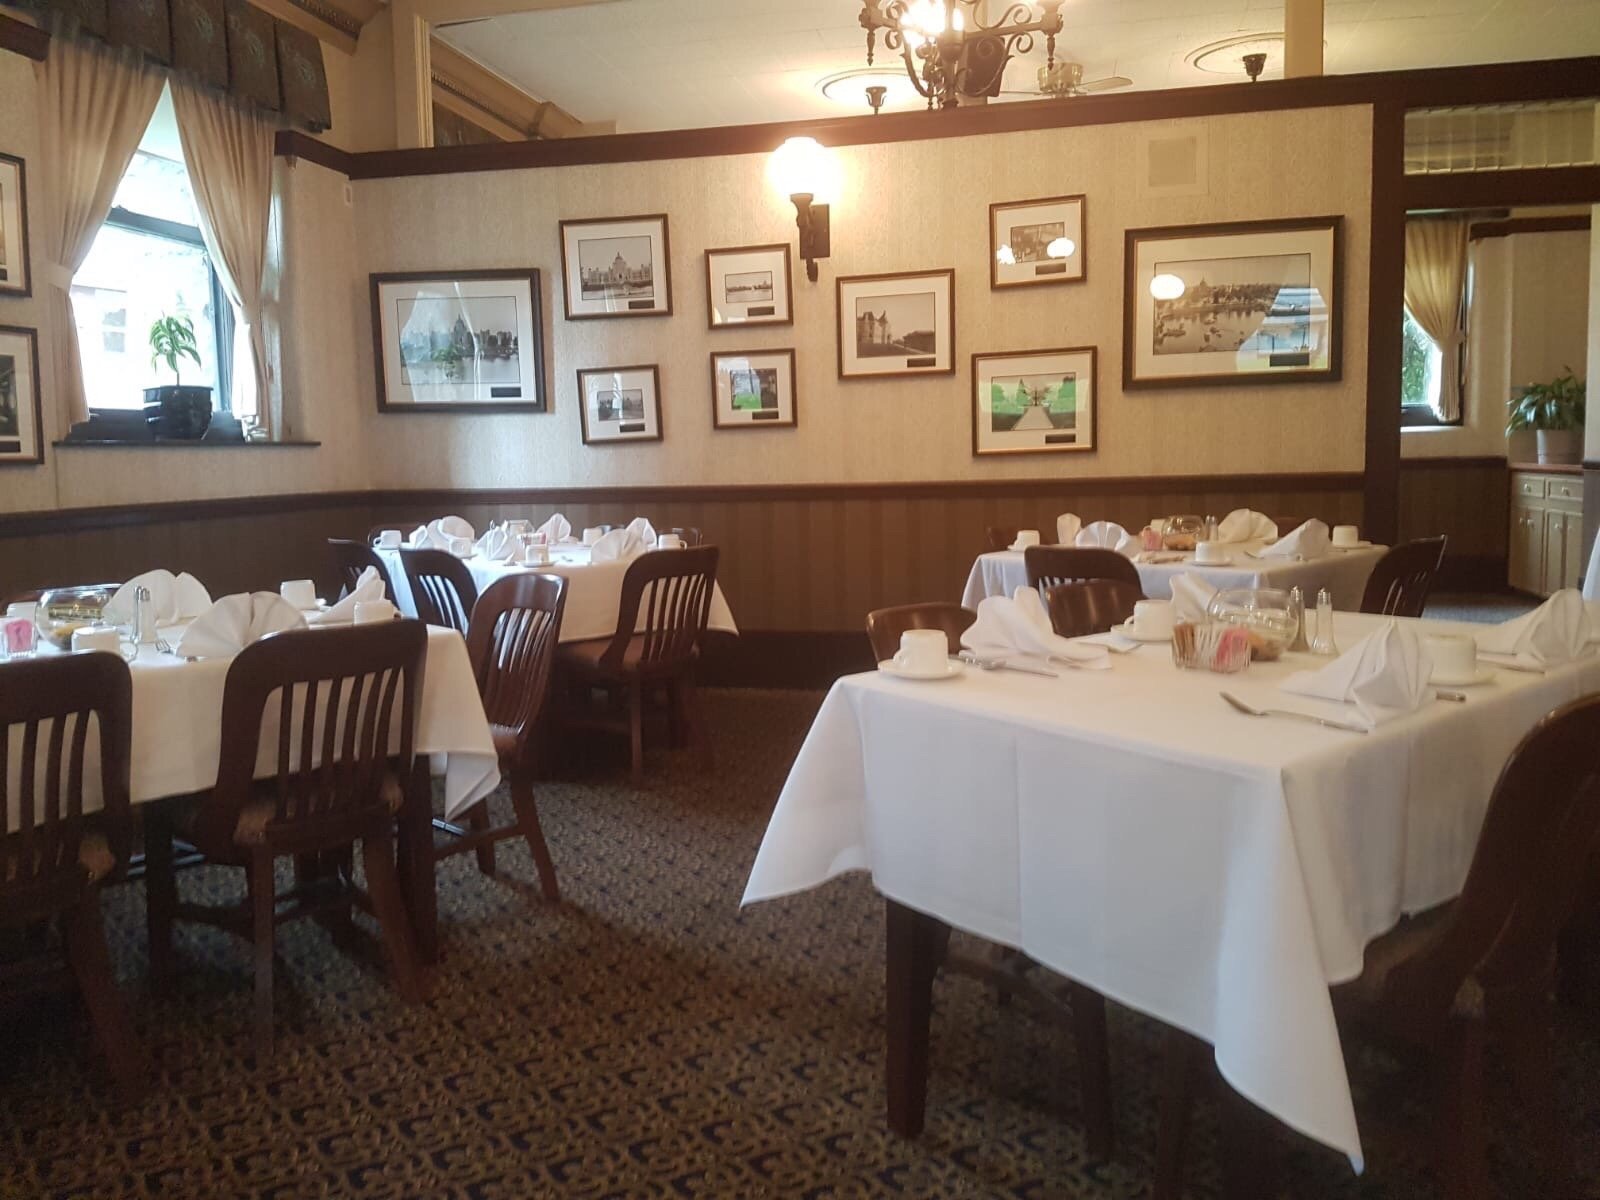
95,104
1436,278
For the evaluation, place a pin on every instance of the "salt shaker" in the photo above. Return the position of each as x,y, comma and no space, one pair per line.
1211,529
1323,643
1297,605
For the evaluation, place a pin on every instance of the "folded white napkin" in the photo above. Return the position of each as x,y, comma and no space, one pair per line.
429,537
646,532
1067,527
618,544
1019,625
1246,525
1107,534
498,545
455,527
172,598
1385,675
556,529
1191,597
1310,540
234,622
369,586
1556,632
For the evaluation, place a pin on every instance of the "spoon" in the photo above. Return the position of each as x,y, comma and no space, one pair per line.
1241,706
1004,664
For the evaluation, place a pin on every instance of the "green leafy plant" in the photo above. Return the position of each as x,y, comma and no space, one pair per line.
1556,405
171,339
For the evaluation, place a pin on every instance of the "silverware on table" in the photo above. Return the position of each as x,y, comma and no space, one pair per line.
1448,694
1006,664
1241,706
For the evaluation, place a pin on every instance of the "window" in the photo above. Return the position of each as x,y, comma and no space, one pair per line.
1419,375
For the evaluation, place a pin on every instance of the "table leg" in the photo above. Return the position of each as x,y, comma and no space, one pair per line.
1244,1143
915,943
414,850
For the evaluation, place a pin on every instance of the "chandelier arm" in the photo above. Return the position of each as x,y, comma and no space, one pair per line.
1019,15
912,72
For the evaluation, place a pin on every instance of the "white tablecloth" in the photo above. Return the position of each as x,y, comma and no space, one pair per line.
1343,572
177,725
594,591
1130,830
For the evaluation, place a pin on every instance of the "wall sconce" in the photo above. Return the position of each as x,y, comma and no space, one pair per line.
806,172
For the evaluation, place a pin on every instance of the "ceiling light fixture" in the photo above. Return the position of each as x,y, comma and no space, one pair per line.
945,59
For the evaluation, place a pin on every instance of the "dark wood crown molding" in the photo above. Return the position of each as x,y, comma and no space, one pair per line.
1481,189
295,143
1573,223
22,38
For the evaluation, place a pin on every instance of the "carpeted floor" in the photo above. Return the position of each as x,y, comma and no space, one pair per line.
645,1038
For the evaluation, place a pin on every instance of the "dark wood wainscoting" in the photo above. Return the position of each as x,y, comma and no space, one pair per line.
1468,499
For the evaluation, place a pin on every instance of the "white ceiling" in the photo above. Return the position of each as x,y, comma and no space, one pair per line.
675,64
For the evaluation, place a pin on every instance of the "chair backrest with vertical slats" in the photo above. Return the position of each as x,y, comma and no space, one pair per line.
885,625
337,709
350,559
666,599
1399,584
1093,606
512,642
47,708
441,587
1052,566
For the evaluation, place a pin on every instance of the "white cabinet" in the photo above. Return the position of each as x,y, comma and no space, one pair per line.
1546,551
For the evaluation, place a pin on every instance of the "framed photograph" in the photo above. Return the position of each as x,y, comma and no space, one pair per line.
1031,401
459,341
749,285
620,404
1250,302
1035,242
617,267
16,275
753,389
21,413
897,325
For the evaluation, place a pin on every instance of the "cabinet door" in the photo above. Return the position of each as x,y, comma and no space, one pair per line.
1555,546
1573,570
1527,548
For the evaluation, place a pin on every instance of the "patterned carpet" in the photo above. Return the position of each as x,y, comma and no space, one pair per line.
643,1039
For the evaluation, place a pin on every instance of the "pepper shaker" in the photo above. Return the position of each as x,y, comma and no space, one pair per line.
1297,606
1324,643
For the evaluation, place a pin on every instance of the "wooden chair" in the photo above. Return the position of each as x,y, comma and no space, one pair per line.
512,643
885,625
350,559
1441,981
329,703
999,537
1052,566
53,859
442,589
666,597
1093,606
1399,584
690,535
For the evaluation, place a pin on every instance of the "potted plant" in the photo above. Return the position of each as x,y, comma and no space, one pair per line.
1554,411
175,411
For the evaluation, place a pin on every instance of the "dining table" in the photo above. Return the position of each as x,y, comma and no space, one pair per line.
1132,831
594,589
1343,572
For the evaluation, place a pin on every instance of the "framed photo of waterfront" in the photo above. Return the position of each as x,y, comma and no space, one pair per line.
16,275
1030,401
1245,303
753,389
897,325
749,285
462,341
617,267
620,404
21,413
1037,242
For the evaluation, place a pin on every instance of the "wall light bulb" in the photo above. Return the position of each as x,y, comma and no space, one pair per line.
802,166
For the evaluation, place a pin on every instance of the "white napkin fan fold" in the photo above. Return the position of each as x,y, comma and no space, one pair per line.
1384,675
1556,632
369,586
235,622
1246,525
1018,624
1310,540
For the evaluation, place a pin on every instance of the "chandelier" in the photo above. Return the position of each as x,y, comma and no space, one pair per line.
948,54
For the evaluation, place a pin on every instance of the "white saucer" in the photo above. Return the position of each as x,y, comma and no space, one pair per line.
1127,631
1361,545
950,670
1484,675
1225,561
1019,549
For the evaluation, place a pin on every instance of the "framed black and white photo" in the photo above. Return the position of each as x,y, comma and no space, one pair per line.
16,275
459,341
1249,302
1034,242
617,267
620,404
753,389
749,285
1030,401
897,325
21,413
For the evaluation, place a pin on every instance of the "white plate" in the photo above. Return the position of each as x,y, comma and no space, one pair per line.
1127,631
950,671
1362,545
1225,561
1484,675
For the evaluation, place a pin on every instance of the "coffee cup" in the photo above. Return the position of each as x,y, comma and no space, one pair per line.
1455,657
389,539
922,651
592,535
1152,618
1025,538
1346,536
369,612
518,527
97,637
669,541
536,555
461,547
302,593
1210,552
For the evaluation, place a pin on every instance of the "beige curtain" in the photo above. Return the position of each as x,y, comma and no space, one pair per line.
1436,277
229,152
95,104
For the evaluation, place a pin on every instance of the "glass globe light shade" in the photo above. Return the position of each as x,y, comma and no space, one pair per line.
803,166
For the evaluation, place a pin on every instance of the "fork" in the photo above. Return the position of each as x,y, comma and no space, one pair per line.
1241,706
1004,664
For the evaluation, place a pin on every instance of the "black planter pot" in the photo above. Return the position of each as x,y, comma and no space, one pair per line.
178,414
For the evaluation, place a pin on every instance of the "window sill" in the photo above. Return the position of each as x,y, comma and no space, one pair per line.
158,444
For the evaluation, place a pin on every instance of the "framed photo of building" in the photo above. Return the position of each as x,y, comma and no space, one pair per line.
1037,242
753,389
897,325
749,285
620,404
459,341
21,412
617,267
1030,401
1243,303
16,274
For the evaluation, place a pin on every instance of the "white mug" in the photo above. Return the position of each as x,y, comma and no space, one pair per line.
1026,538
1455,656
370,612
1346,535
302,593
461,547
591,535
1210,552
922,651
669,541
1152,618
536,555
389,539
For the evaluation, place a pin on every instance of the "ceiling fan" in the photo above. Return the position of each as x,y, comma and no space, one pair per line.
1066,79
